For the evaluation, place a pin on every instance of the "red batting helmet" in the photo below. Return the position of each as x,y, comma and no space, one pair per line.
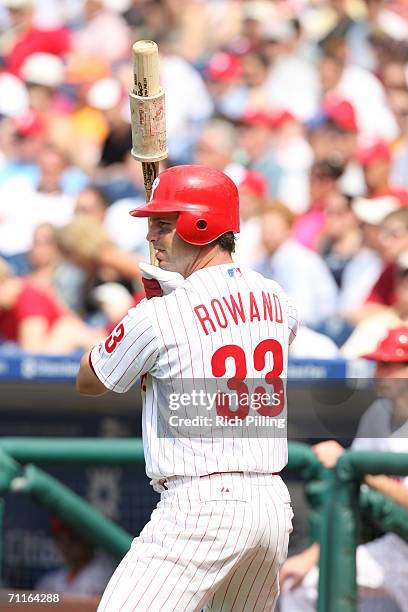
206,199
393,348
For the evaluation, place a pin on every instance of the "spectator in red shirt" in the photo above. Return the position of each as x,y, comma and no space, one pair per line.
28,38
376,163
393,243
32,317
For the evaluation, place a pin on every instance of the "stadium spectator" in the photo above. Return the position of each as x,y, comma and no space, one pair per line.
50,105
22,199
32,318
93,202
86,127
356,85
114,300
255,70
216,145
333,134
25,36
393,243
255,140
84,573
47,268
43,74
103,32
88,246
375,160
383,428
107,96
310,344
307,228
26,141
301,272
252,189
292,83
394,78
399,170
300,83
184,121
364,268
341,238
223,77
358,31
294,156
368,332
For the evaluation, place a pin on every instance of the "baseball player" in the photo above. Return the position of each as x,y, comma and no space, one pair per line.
219,534
382,565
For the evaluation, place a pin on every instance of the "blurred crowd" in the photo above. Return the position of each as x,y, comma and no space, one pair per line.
303,103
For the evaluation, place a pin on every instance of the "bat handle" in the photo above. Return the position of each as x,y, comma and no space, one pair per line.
150,172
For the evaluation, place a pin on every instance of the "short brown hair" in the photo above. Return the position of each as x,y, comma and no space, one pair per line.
401,214
227,242
82,237
275,206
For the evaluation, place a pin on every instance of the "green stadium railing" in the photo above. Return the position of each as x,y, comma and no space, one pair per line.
340,529
335,497
17,474
70,450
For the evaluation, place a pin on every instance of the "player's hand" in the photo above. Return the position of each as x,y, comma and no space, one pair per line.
294,570
328,453
158,282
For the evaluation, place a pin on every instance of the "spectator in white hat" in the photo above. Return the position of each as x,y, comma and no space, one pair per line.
392,242
363,270
43,74
107,96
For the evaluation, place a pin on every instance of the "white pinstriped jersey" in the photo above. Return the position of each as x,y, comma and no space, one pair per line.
223,323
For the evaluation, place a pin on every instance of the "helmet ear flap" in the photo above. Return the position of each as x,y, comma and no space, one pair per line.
193,227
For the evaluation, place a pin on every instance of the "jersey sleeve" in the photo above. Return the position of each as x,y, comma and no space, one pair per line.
129,351
293,321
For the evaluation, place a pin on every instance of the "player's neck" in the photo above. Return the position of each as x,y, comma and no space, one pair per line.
215,256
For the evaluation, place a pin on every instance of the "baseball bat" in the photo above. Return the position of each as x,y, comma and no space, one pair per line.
148,115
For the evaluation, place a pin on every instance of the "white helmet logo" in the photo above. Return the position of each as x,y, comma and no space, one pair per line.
155,185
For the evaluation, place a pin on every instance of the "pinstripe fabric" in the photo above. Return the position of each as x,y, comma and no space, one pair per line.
220,531
165,338
207,549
